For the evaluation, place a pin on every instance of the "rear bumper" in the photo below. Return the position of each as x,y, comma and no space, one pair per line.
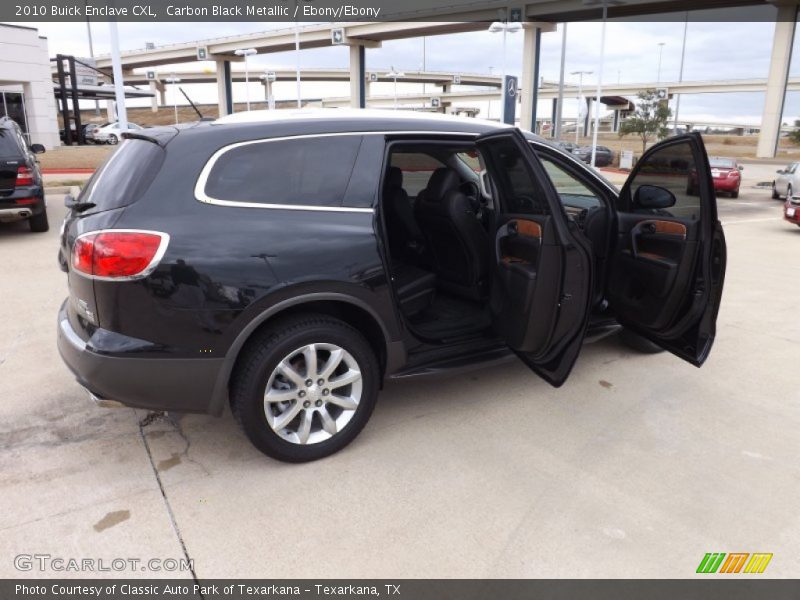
153,383
11,211
726,185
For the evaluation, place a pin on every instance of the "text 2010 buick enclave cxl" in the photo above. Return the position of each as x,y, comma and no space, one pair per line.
287,266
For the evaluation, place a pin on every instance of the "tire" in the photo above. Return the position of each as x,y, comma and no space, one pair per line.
638,343
38,223
276,359
735,194
775,194
112,140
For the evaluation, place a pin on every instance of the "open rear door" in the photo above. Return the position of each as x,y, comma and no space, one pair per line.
542,269
668,263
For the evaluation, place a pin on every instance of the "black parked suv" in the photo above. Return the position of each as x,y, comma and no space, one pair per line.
288,263
21,187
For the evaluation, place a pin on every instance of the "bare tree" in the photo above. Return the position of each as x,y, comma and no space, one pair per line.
649,120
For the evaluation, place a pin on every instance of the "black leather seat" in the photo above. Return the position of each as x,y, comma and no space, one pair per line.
405,237
455,237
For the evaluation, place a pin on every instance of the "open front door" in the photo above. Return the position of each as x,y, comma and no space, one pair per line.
542,273
668,264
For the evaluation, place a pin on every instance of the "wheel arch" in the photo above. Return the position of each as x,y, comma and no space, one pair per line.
349,309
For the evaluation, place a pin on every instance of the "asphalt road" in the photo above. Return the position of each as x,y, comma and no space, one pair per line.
636,467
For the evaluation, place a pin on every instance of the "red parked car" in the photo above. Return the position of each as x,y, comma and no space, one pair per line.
791,210
726,174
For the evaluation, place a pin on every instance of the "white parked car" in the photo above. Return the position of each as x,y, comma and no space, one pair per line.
787,182
110,133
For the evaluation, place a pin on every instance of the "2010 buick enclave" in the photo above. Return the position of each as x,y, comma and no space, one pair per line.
287,263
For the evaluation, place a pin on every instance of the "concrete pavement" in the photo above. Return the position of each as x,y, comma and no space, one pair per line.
637,467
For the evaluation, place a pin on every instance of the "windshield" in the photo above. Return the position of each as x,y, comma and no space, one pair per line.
722,163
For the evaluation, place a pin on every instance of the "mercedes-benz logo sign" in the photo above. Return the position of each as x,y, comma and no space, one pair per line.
511,87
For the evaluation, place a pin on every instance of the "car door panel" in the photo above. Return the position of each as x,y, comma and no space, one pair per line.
668,263
525,273
542,270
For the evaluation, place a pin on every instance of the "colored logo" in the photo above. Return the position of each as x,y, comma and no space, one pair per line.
734,562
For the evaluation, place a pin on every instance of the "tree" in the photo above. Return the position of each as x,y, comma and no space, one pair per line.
649,120
794,134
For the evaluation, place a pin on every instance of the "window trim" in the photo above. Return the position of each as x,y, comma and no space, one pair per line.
202,179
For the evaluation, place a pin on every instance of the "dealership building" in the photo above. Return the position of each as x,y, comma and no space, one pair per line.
26,86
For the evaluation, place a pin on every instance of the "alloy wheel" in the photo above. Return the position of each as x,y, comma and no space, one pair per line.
313,393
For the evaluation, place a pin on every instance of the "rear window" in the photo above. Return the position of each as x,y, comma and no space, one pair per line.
302,171
417,169
722,163
124,177
8,143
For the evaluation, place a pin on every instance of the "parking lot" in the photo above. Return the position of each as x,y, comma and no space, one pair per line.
637,466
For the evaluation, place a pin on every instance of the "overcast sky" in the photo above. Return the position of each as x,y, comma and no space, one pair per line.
713,51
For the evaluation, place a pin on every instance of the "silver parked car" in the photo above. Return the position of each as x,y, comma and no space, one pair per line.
787,182
110,133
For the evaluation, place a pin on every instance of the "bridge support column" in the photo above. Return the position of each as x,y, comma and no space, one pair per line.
554,118
529,87
224,87
778,77
358,76
587,119
159,95
615,126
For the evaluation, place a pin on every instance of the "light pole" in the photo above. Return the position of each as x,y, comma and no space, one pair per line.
580,75
660,52
394,74
119,82
505,28
560,101
680,74
246,52
599,84
174,80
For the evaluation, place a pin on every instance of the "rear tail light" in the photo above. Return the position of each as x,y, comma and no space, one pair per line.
24,176
118,253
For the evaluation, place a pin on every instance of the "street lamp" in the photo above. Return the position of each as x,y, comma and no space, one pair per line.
680,74
660,52
505,28
580,75
394,74
246,52
174,80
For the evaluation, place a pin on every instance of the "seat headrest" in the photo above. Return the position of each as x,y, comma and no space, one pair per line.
442,181
394,178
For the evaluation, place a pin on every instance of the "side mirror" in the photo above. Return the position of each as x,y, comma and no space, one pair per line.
741,168
654,197
780,171
37,149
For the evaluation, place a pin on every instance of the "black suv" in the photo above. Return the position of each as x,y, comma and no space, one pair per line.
286,264
21,188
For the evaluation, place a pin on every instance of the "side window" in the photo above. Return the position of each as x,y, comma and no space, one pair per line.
302,171
574,194
666,183
518,187
417,169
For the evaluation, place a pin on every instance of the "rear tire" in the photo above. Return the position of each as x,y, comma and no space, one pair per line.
735,194
38,223
306,422
638,343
